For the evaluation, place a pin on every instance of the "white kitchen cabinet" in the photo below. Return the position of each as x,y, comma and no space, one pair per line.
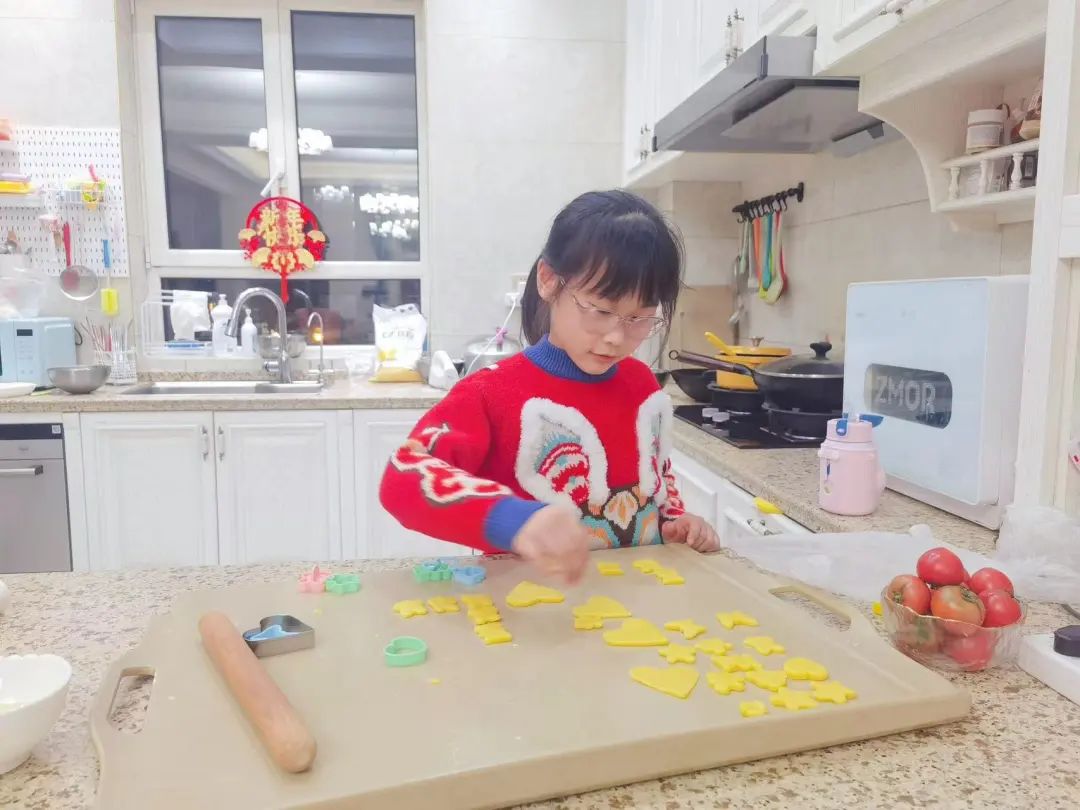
278,486
639,91
149,486
698,487
848,26
377,434
782,17
676,75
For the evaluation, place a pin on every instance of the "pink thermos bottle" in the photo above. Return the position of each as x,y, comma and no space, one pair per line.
852,480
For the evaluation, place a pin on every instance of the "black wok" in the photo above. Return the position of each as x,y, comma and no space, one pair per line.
797,382
694,383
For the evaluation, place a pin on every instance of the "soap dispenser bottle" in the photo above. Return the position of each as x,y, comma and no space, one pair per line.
220,314
248,333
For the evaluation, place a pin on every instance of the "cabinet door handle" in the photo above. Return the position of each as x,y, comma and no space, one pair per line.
23,472
221,443
205,443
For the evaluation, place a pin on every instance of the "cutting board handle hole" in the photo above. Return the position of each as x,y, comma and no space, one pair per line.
817,610
131,700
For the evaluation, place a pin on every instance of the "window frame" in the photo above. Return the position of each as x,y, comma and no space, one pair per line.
281,116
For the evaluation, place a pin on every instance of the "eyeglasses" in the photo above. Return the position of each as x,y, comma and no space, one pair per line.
601,321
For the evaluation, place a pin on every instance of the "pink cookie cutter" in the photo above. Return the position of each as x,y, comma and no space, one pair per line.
314,581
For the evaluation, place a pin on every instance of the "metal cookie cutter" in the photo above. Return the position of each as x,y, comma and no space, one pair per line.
279,634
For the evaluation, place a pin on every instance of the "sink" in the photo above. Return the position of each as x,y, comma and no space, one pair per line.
222,387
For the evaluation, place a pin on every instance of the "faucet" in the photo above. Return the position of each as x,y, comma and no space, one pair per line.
312,317
281,365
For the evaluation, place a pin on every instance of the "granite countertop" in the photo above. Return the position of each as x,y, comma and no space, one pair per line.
346,394
1017,749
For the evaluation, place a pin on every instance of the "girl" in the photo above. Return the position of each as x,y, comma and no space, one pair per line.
563,447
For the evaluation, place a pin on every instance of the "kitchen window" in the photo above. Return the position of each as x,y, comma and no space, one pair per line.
321,101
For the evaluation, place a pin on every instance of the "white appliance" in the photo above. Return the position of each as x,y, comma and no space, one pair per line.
29,347
941,360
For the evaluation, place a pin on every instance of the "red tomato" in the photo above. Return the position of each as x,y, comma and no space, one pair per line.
939,566
960,604
1001,609
910,592
972,653
986,579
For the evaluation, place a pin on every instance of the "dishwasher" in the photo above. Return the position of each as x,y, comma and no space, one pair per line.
35,534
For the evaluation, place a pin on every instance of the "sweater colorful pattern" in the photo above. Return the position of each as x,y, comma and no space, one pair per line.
532,431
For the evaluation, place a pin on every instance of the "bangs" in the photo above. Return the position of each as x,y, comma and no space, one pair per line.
628,255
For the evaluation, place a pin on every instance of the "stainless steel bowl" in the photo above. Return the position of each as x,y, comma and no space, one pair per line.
79,379
269,345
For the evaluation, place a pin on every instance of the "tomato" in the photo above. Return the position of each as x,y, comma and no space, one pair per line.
960,604
910,592
939,566
986,579
1001,609
972,653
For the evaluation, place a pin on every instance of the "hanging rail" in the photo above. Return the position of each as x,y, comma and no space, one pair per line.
752,209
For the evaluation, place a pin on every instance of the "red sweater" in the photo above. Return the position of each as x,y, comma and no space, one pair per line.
533,431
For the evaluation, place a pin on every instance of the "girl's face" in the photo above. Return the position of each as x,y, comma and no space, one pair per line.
596,332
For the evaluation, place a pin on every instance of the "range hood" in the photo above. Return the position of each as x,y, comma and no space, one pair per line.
767,100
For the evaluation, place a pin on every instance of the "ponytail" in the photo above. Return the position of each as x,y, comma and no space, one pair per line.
535,314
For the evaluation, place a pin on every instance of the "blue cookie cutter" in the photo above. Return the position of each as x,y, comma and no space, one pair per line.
470,574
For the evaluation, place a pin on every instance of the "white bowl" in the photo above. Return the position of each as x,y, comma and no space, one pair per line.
33,691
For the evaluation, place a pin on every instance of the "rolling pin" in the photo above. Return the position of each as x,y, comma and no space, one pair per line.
280,726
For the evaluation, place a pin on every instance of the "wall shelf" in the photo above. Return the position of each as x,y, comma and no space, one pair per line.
1021,148
1004,207
32,200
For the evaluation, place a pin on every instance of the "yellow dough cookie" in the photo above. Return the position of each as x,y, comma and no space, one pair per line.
736,663
603,606
636,633
832,692
484,615
713,646
752,708
586,621
609,569
688,627
675,681
726,682
792,701
526,594
803,669
763,645
736,619
476,600
443,604
669,576
770,679
646,566
408,608
676,654
493,633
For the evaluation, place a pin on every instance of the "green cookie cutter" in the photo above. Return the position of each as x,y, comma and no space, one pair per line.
342,583
432,572
405,651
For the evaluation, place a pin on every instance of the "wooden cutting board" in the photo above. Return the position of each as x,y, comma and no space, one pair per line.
551,714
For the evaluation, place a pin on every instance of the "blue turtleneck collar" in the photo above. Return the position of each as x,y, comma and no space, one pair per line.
555,361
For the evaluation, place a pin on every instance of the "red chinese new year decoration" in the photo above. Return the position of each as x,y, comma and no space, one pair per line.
282,235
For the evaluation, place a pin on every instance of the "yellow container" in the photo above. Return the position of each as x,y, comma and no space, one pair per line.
749,357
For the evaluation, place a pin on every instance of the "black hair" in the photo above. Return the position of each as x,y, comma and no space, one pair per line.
615,239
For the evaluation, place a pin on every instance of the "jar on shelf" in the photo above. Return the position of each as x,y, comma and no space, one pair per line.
985,128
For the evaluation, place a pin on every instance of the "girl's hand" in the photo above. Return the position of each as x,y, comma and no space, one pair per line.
554,540
693,531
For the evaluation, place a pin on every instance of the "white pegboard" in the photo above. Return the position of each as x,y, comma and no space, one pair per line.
52,156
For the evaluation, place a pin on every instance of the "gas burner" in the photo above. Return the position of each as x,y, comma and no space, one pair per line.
752,436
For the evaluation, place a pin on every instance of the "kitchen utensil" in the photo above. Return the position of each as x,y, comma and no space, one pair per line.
269,345
929,639
727,399
77,282
110,298
383,732
851,479
280,726
778,278
693,382
33,691
798,424
489,350
79,379
767,257
810,383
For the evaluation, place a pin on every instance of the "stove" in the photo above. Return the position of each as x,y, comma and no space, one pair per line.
759,437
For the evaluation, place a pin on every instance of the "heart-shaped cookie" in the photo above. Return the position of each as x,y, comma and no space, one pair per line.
526,594
803,669
636,633
675,681
603,606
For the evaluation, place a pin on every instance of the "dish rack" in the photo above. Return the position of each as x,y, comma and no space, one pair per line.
121,363
114,346
155,316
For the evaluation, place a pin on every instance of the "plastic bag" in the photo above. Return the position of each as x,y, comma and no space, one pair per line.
860,564
400,334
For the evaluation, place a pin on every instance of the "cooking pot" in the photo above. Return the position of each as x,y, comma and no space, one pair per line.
803,382
487,351
746,356
694,382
